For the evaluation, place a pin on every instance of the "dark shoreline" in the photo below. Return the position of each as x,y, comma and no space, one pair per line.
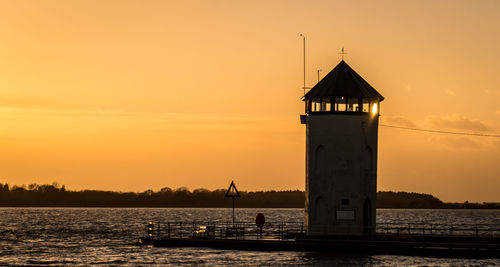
57,196
217,207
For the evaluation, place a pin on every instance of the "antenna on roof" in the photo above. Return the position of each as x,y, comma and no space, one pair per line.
342,53
318,73
304,46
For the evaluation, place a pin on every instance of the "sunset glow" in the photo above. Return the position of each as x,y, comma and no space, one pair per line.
374,109
136,95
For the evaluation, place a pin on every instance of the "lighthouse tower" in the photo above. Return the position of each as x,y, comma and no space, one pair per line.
342,113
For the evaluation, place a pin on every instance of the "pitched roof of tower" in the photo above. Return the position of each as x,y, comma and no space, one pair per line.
343,81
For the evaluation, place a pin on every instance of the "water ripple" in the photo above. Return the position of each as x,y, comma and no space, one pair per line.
105,236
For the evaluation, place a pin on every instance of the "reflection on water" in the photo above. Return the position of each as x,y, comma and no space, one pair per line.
82,236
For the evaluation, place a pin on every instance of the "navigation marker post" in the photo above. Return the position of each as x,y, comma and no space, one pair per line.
232,192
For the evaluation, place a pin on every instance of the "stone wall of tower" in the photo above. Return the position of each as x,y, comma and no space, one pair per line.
341,174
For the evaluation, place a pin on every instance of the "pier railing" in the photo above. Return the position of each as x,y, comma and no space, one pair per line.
218,230
293,230
433,229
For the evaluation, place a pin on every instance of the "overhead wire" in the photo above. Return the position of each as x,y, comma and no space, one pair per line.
439,131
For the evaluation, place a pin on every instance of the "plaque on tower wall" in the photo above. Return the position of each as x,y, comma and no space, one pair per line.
346,215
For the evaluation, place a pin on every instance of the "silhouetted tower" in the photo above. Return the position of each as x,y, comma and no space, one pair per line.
342,113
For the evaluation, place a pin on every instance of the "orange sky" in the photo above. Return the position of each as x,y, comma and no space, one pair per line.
131,95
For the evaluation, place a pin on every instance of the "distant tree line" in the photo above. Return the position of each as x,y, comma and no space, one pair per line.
405,200
54,195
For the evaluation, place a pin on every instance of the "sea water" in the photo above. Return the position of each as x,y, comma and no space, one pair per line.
107,236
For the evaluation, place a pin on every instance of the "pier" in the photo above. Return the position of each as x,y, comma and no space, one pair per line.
443,240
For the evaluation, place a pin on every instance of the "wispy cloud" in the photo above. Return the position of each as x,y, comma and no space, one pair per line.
64,111
492,92
456,122
451,92
398,121
464,143
453,122
197,120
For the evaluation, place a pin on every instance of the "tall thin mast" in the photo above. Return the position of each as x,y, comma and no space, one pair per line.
304,46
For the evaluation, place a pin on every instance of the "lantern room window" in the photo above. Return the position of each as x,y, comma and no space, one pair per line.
375,109
352,105
340,104
326,105
366,105
316,105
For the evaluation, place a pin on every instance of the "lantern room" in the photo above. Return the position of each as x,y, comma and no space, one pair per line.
343,91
